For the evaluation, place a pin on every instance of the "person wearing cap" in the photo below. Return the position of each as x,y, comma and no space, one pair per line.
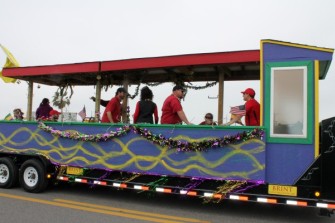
54,115
172,111
208,120
252,108
112,113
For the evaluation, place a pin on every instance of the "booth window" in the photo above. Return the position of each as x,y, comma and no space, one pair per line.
289,102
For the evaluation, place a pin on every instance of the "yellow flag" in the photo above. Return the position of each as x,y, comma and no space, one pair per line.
8,117
10,62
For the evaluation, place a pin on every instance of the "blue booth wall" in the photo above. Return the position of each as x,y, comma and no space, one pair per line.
285,163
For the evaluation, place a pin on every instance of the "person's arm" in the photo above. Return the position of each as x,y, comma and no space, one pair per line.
176,107
234,119
183,117
109,109
102,102
137,112
109,116
156,115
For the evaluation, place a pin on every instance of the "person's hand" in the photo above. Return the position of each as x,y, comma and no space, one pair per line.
92,98
239,122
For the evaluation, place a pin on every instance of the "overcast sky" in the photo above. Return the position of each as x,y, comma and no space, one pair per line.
43,32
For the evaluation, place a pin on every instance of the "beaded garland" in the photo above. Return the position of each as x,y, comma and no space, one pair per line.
180,146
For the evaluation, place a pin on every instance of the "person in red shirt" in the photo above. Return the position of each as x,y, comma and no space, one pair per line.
252,108
54,115
172,111
112,113
145,108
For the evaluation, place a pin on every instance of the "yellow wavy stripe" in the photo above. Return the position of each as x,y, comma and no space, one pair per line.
155,161
221,161
100,155
189,139
210,171
32,135
237,150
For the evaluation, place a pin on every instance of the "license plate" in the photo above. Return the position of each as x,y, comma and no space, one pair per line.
74,170
282,190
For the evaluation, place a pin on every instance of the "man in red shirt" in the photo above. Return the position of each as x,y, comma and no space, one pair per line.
252,108
172,111
112,113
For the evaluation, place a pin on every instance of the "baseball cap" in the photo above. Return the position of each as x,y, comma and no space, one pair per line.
121,89
178,87
249,91
54,112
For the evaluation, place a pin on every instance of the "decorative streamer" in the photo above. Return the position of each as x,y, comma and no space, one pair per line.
154,84
179,146
226,188
211,84
193,184
161,181
132,177
136,92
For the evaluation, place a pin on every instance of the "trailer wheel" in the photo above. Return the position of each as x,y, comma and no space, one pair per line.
8,173
33,177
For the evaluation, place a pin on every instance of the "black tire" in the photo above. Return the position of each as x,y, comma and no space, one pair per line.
9,173
33,177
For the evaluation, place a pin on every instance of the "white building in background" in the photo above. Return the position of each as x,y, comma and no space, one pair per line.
67,116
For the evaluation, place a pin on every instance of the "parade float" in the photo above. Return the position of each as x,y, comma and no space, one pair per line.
289,159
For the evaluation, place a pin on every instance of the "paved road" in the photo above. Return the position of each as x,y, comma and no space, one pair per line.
79,203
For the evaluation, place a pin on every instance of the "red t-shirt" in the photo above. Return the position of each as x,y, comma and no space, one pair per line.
252,113
113,106
169,110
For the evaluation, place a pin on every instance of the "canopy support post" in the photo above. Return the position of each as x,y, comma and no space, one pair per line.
97,98
220,95
125,101
30,100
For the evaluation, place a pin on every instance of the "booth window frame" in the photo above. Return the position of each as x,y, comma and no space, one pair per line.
305,70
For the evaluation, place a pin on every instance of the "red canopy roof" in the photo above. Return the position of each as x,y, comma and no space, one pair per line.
237,65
